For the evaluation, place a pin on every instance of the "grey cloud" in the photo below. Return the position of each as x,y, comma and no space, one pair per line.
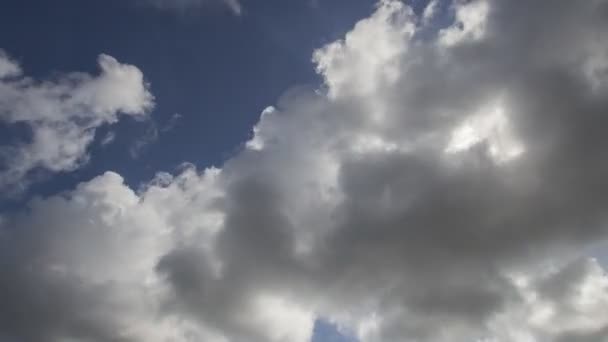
436,189
55,285
597,336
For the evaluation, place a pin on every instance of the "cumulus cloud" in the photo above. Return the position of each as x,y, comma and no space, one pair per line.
437,188
62,114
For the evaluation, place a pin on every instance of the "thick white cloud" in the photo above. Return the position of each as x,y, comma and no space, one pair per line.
337,60
441,187
62,114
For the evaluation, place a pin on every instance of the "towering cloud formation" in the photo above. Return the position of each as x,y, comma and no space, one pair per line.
442,186
61,115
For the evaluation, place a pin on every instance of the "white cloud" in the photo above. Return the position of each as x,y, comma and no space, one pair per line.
491,127
102,259
149,137
63,115
372,48
469,24
432,192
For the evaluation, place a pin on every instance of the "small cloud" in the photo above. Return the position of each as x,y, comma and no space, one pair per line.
108,138
233,5
149,137
430,11
63,114
171,123
152,134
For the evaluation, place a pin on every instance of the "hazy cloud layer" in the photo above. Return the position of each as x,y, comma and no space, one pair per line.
61,115
443,185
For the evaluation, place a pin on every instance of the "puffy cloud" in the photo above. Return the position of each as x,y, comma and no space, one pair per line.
470,22
337,60
437,189
62,114
152,134
108,138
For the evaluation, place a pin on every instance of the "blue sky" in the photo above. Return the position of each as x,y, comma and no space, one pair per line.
303,170
326,332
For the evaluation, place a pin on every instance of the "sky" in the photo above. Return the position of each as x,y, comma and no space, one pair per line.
214,70
303,171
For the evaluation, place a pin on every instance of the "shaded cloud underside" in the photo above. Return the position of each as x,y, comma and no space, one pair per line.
442,188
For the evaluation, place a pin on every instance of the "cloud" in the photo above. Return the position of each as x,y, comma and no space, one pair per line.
62,114
433,190
108,138
171,123
151,135
233,5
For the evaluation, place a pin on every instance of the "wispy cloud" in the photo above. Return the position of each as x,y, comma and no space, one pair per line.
233,5
63,114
